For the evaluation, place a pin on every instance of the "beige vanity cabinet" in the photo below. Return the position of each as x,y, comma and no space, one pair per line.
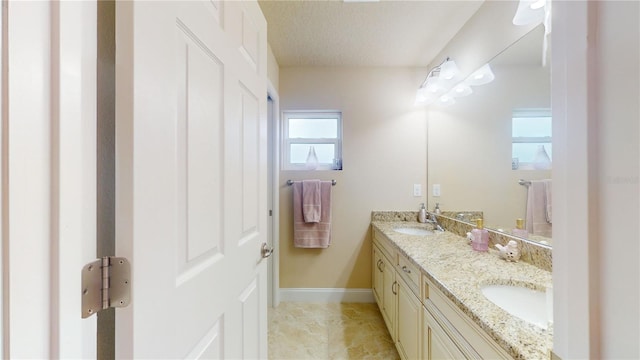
384,281
423,322
408,322
451,334
388,306
378,274
396,290
436,344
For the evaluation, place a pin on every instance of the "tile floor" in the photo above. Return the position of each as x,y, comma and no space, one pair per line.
328,331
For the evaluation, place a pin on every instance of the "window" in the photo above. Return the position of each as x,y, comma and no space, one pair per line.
531,139
321,130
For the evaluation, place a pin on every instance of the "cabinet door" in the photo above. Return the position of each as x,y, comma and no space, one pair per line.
436,344
378,279
389,292
408,322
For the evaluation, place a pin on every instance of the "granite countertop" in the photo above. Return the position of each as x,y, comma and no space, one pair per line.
459,272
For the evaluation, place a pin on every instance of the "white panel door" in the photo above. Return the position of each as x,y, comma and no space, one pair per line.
191,178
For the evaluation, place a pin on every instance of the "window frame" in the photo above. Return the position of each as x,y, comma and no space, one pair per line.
529,113
287,142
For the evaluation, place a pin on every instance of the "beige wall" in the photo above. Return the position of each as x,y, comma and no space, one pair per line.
383,156
469,146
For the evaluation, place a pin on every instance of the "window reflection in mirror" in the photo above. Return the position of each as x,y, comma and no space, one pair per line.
531,139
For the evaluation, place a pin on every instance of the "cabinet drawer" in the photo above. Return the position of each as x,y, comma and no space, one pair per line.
385,246
474,341
409,273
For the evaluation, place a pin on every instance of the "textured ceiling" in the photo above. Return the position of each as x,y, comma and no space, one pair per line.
385,33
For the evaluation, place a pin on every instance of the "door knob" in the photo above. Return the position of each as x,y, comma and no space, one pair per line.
266,251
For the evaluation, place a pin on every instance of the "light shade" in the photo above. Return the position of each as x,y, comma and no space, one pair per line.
461,90
446,100
425,97
449,70
434,86
529,11
482,76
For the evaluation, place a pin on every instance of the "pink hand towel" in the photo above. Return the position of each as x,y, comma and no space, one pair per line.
537,223
548,200
312,235
311,205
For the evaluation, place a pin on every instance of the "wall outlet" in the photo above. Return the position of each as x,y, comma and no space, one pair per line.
417,190
436,189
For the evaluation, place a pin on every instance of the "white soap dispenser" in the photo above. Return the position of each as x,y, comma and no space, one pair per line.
422,214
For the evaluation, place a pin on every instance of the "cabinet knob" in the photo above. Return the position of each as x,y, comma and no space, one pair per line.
404,268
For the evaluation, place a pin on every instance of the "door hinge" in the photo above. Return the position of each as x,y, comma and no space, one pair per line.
106,283
270,212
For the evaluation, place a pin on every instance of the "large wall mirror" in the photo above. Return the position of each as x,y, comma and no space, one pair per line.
470,143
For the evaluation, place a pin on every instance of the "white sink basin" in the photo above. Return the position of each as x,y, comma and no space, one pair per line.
527,304
413,231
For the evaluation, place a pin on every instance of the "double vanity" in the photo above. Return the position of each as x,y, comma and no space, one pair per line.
442,300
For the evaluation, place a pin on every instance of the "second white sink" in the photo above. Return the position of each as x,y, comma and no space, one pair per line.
527,304
413,231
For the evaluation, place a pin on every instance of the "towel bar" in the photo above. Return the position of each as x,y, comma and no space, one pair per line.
524,182
333,182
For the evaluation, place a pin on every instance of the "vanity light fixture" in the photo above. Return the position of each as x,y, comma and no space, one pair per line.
438,81
442,84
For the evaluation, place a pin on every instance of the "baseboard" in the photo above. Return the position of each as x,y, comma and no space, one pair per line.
326,295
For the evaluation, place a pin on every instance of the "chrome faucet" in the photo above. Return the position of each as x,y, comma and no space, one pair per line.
433,219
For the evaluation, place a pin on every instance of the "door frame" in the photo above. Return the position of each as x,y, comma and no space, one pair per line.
273,125
3,163
48,176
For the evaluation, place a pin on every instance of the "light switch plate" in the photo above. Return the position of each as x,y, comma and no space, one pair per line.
417,190
436,189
